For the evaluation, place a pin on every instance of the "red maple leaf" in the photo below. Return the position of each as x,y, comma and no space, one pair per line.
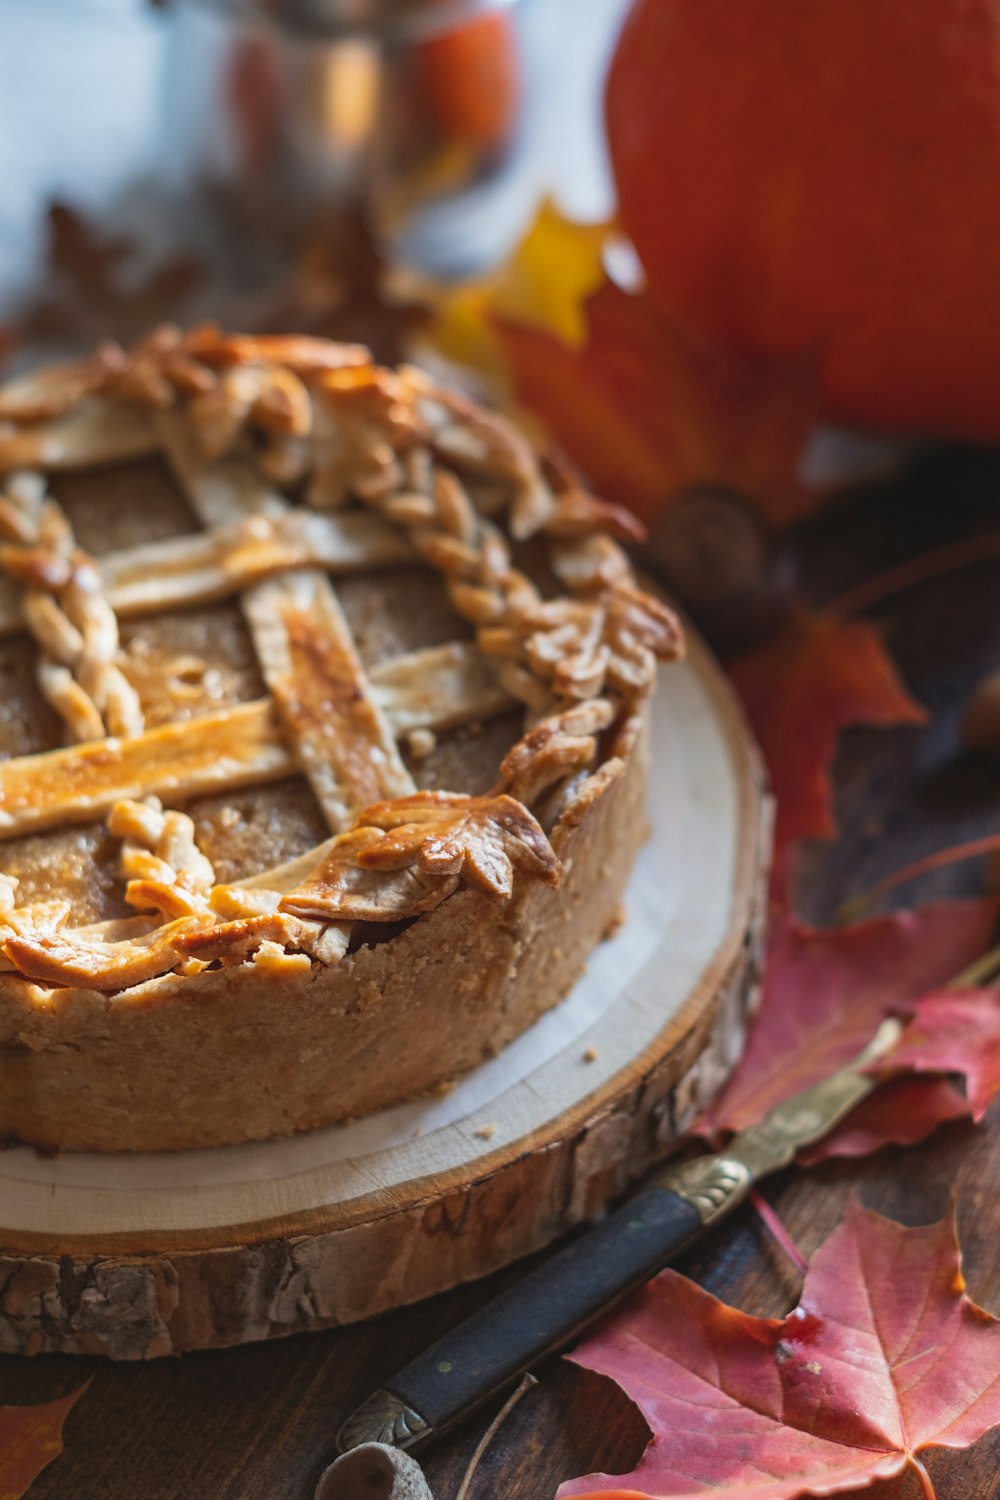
827,989
956,1032
30,1438
800,689
884,1356
646,411
901,1112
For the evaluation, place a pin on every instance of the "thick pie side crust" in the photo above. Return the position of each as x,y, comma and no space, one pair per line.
431,927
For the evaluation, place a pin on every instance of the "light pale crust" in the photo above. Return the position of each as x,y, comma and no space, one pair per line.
387,864
235,1054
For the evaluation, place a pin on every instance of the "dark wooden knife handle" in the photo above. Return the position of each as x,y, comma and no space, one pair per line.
543,1312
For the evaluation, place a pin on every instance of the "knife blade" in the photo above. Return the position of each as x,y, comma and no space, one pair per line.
557,1301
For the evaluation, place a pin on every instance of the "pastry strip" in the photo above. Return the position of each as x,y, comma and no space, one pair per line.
207,566
98,433
240,746
342,740
438,687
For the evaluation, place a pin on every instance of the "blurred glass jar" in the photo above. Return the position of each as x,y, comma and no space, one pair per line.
287,110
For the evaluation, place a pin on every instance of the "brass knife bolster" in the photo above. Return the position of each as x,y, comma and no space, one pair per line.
383,1418
713,1185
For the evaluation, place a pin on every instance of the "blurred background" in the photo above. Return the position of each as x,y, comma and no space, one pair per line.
245,133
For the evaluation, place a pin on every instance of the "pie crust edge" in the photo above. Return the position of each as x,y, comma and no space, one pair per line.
234,1055
251,1051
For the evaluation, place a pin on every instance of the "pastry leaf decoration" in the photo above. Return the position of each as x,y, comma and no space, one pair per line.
406,856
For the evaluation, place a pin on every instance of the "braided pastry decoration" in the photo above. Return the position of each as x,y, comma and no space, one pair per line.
165,869
555,652
322,415
67,613
328,427
167,364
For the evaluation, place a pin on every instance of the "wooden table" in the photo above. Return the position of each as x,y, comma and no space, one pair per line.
257,1423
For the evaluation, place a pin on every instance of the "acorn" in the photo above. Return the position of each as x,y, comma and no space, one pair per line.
373,1471
980,727
734,574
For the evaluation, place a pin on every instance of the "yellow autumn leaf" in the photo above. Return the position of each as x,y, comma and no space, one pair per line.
551,274
542,285
30,1438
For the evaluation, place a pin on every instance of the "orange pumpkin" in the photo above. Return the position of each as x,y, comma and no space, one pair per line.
824,174
471,79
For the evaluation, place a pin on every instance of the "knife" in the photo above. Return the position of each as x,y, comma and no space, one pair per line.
551,1306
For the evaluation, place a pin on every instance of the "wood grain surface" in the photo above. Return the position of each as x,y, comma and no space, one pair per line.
257,1423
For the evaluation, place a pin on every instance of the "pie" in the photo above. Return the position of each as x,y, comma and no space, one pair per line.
324,734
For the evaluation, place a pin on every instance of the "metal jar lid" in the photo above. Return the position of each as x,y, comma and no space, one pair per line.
388,20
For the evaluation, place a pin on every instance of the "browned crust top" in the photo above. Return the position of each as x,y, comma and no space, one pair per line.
276,438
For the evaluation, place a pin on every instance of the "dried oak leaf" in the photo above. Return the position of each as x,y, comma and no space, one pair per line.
30,1438
406,856
826,990
338,287
884,1357
646,412
800,689
90,292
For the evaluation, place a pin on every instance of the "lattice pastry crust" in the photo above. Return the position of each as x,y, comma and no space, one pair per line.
434,923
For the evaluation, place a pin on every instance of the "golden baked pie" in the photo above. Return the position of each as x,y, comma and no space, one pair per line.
323,738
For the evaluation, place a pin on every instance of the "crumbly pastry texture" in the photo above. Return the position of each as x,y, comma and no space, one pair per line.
165,980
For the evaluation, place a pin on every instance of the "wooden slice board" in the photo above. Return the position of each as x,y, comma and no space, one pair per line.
139,1256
